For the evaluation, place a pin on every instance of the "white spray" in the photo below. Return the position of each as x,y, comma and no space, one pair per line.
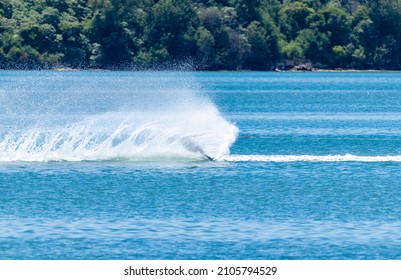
76,116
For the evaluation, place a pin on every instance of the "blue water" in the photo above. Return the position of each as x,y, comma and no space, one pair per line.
93,165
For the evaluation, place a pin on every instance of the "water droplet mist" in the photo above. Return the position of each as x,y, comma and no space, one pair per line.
70,116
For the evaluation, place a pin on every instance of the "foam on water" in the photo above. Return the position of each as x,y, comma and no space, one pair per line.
124,118
309,158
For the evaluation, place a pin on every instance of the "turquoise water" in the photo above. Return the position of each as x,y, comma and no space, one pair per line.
97,165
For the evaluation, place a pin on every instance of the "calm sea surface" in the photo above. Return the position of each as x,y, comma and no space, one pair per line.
97,165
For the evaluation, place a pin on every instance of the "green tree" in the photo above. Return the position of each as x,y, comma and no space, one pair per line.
172,26
219,34
247,10
112,28
74,45
205,44
260,55
293,17
390,11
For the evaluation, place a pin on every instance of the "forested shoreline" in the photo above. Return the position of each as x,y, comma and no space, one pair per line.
207,34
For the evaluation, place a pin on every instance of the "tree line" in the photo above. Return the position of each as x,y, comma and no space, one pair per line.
210,34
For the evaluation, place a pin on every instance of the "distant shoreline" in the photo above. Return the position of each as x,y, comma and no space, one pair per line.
179,69
314,70
344,70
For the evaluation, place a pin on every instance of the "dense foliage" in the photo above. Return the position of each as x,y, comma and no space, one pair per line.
212,34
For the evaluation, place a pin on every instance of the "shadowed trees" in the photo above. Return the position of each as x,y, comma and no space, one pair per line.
213,34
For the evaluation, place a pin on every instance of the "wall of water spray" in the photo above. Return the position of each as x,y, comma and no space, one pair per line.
77,116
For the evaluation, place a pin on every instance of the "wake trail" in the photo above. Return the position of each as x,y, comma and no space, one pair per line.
310,158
